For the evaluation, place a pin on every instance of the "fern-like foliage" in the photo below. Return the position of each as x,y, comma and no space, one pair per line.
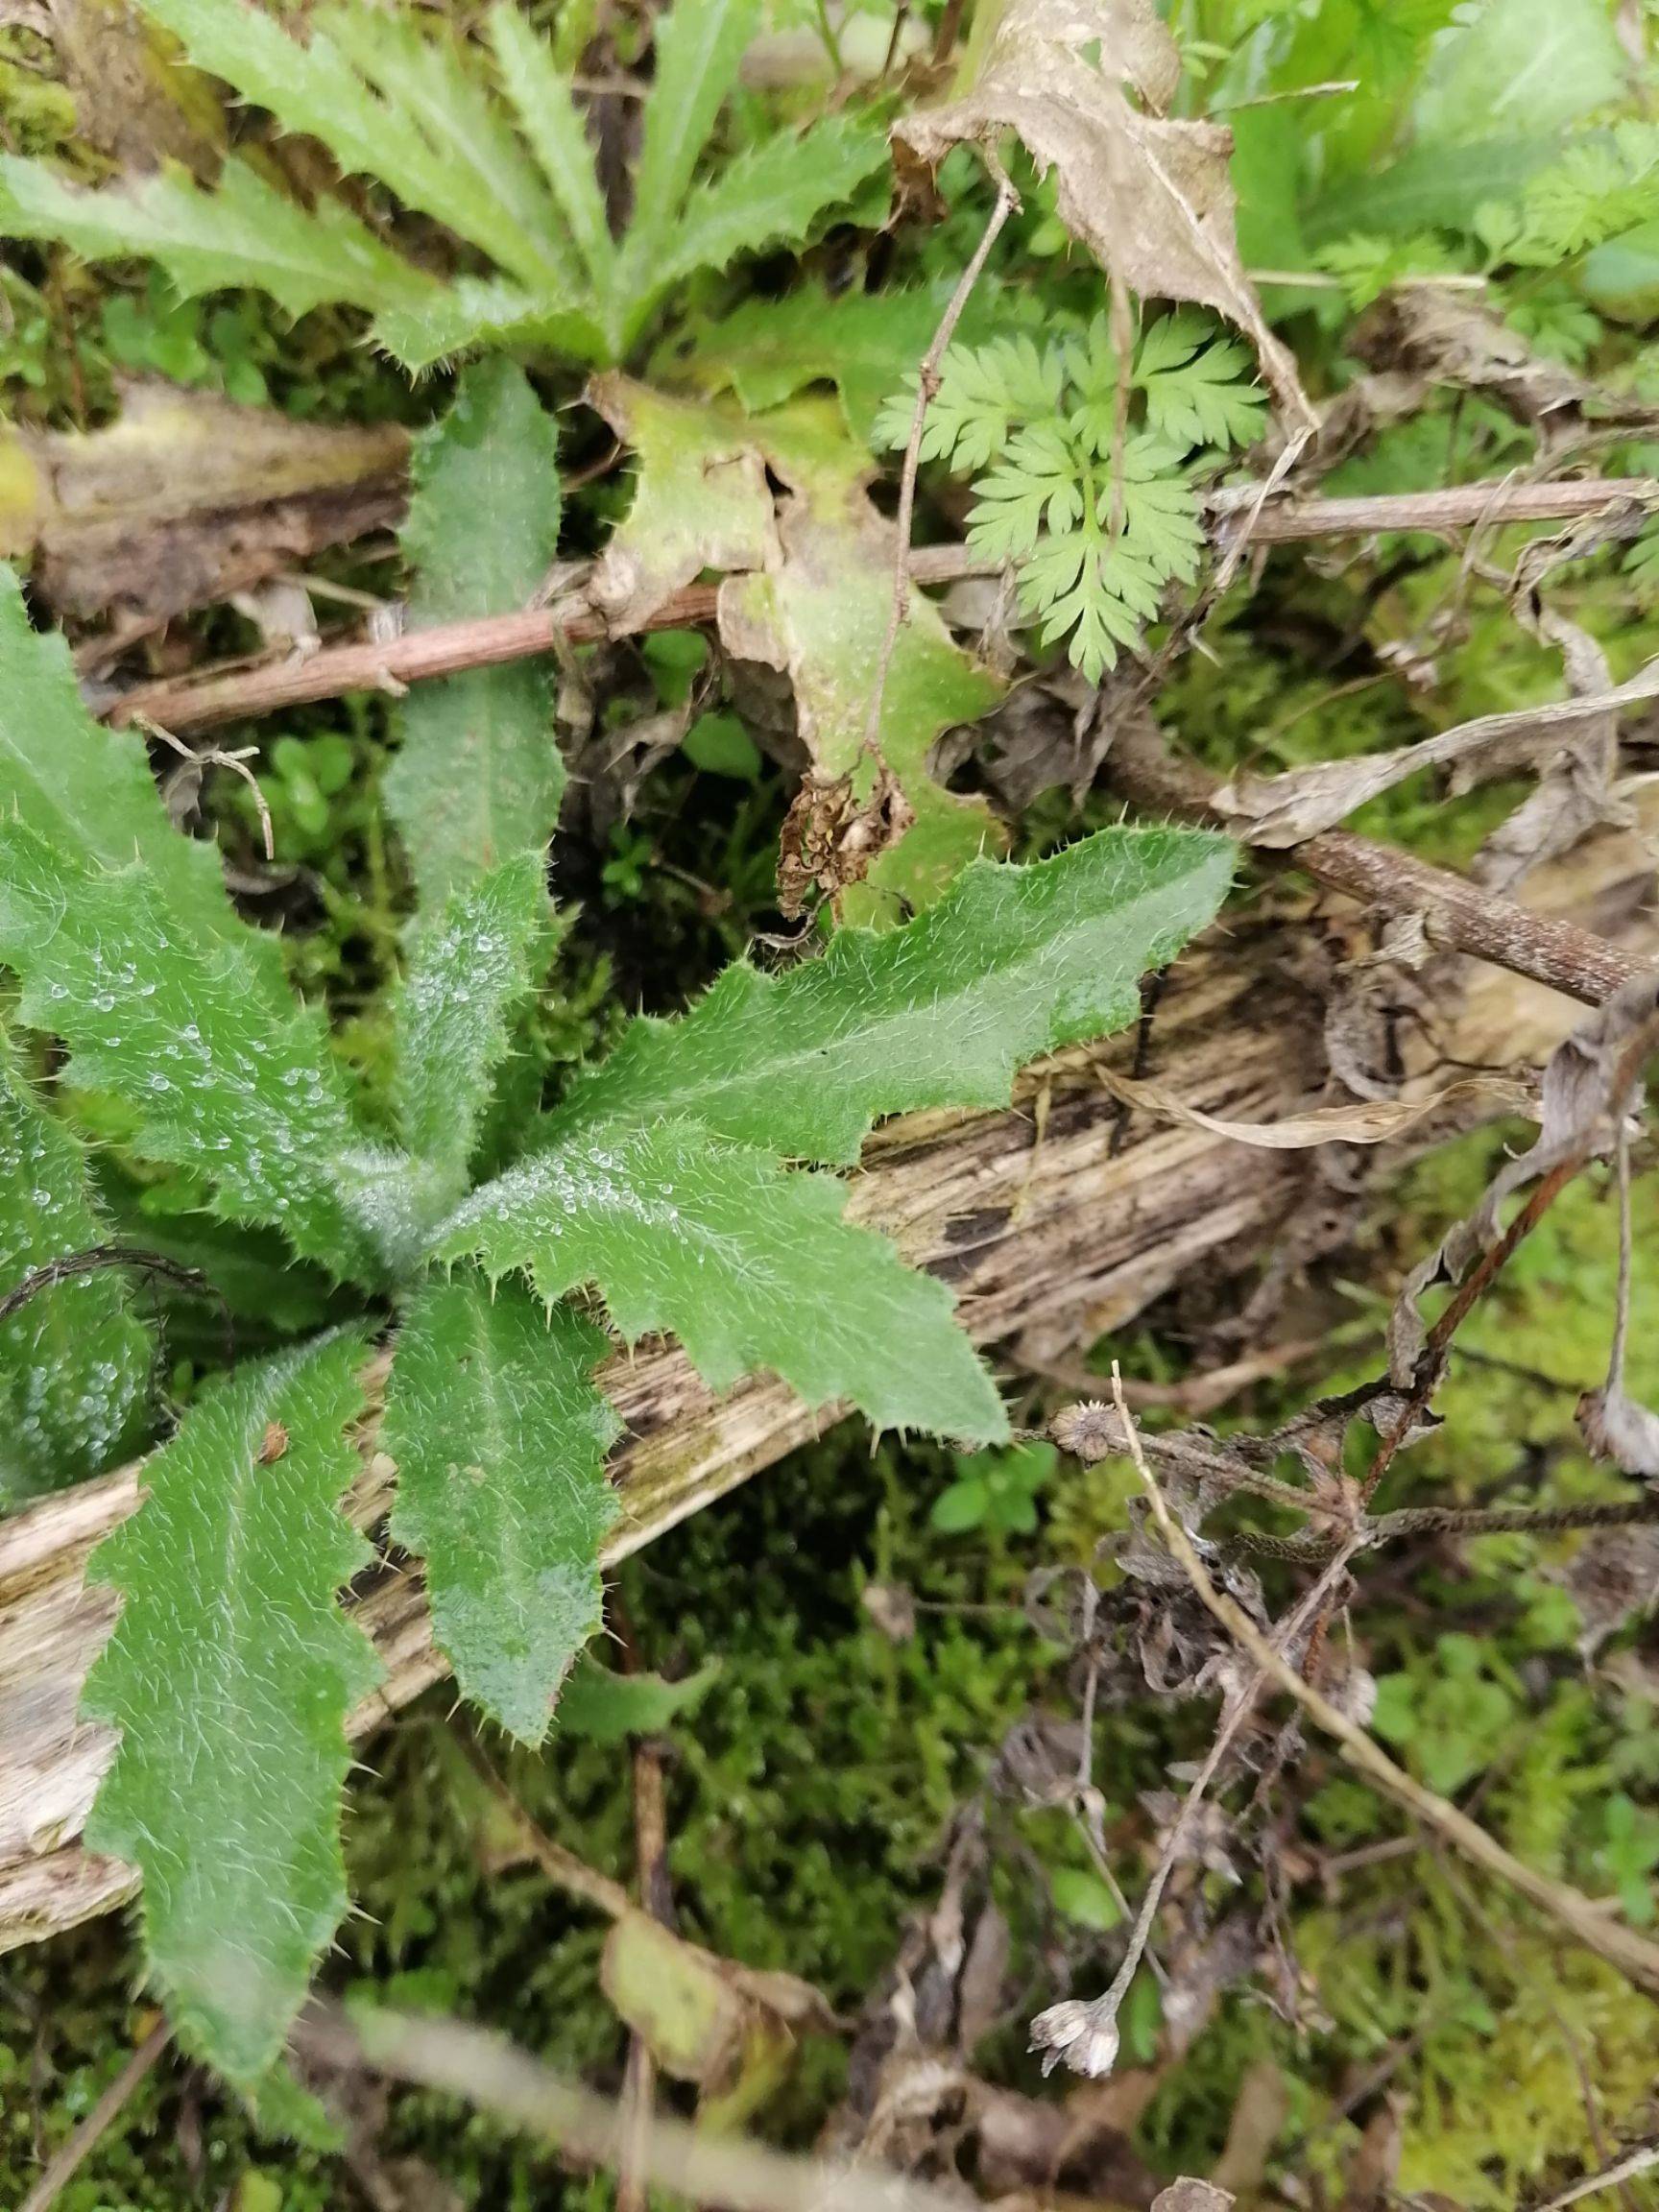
1602,186
1089,486
499,156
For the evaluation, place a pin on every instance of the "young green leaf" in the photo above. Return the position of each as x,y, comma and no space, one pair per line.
606,1707
863,342
88,792
698,47
388,102
750,1265
469,964
181,1031
243,233
770,196
1010,964
230,1676
75,1361
500,1437
549,115
479,776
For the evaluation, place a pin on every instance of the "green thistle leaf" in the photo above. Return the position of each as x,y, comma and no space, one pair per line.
500,1437
1010,964
750,1265
230,1676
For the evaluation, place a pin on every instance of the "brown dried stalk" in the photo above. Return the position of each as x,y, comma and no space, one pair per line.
1591,1925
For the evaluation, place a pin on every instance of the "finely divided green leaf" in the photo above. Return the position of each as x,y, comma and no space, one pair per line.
230,1674
479,776
75,1361
469,964
751,1266
182,1031
500,1437
1011,963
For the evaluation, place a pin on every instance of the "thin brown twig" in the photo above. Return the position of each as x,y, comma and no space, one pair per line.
1104,2009
1587,1923
1642,2160
239,690
926,385
65,2163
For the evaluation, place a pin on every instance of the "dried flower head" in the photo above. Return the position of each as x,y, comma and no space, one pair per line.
1084,2035
1089,1431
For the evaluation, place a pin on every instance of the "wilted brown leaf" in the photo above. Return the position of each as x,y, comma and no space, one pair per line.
1149,195
1450,337
185,498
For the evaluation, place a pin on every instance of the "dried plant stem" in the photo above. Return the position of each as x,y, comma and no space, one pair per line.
1595,1928
926,385
62,2166
590,2129
1642,2160
1456,914
1238,1711
238,692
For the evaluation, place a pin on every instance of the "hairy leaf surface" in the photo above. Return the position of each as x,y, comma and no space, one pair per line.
469,964
769,196
479,776
750,1265
88,792
500,1437
698,47
181,1031
230,1674
75,1361
1011,963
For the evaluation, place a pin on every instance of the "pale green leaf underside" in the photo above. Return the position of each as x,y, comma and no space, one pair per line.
469,964
244,232
230,1674
75,1362
750,1265
179,1028
1013,962
479,776
500,1437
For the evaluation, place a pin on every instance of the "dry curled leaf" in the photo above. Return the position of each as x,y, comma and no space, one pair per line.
1584,1094
1370,1122
1084,85
1613,1575
1576,791
1448,337
187,497
1282,810
835,831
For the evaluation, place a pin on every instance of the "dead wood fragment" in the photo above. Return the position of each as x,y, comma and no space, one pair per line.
1431,331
